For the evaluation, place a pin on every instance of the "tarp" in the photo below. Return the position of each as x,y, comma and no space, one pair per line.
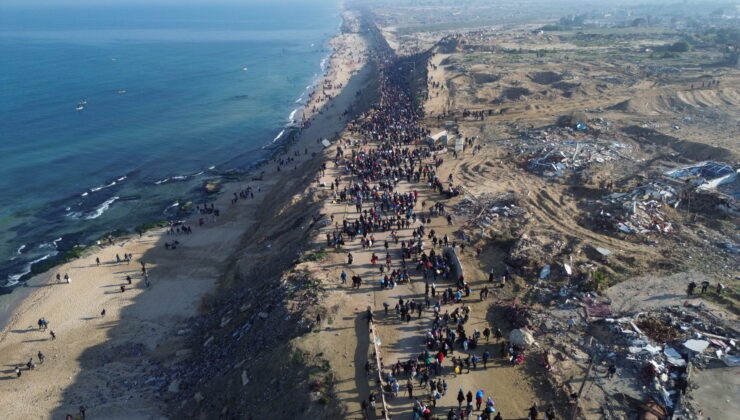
326,143
674,357
696,345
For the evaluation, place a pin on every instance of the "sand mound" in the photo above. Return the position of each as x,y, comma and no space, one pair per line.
682,101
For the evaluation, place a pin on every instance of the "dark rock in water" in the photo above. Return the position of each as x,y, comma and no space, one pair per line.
212,186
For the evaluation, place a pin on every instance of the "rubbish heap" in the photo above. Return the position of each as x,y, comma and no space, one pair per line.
660,347
483,211
556,157
551,152
638,211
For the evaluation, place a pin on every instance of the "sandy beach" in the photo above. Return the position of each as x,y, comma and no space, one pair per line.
111,364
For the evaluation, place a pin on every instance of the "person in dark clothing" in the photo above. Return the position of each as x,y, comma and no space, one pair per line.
690,288
611,371
533,412
704,286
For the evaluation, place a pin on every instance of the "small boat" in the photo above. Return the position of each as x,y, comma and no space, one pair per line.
245,68
121,92
80,105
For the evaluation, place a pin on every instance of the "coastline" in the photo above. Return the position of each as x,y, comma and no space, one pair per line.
120,196
179,280
285,137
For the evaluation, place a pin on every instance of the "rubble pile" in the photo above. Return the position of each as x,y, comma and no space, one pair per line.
556,157
654,352
657,329
533,252
485,210
553,151
639,210
710,176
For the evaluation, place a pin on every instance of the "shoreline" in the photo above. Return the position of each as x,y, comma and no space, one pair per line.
273,147
179,280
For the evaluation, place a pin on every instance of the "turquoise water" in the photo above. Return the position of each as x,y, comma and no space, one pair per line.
205,89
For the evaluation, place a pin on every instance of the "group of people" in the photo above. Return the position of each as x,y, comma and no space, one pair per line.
376,171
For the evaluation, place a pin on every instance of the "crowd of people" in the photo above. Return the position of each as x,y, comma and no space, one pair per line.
391,151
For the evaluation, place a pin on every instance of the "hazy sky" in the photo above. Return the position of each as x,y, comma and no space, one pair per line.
134,2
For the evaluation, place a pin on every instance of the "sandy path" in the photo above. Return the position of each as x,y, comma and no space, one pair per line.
110,364
439,98
344,338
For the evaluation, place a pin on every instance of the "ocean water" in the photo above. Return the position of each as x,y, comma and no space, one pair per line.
173,96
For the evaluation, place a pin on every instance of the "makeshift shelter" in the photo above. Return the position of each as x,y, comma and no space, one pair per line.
440,137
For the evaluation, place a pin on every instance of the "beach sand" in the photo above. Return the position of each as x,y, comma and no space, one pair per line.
111,364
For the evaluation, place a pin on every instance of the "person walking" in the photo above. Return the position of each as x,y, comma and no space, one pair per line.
533,412
363,406
343,276
704,286
102,313
611,371
690,288
371,398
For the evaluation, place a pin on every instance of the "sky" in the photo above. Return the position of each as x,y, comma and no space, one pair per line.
102,3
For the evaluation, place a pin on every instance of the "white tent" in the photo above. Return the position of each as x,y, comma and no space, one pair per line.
439,137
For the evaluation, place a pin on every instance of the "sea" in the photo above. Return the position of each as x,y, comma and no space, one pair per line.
110,115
